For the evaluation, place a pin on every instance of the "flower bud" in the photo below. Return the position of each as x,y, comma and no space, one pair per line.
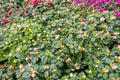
36,49
102,19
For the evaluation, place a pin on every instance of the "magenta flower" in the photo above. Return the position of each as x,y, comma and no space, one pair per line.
5,21
118,14
118,3
110,2
101,9
77,1
93,1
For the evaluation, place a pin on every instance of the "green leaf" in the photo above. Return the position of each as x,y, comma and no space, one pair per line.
35,66
92,39
46,74
26,75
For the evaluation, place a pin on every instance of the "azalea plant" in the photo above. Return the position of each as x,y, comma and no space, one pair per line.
102,5
60,40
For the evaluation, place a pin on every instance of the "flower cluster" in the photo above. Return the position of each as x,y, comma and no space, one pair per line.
102,5
59,41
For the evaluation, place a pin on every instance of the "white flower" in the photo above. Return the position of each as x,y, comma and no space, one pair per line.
57,37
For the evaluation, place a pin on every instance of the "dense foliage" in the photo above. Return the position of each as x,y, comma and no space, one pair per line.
58,41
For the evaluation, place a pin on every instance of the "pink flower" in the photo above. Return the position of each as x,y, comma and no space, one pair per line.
36,49
118,14
118,46
48,1
5,15
44,18
5,21
102,19
34,2
25,0
114,67
42,3
21,66
101,9
69,4
116,11
83,20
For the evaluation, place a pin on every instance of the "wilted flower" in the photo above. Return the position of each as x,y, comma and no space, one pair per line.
76,66
12,67
105,70
112,17
28,58
53,32
46,67
114,37
30,64
3,66
117,59
54,70
116,33
33,73
68,60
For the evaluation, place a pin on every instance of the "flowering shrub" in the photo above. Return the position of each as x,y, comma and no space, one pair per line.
102,5
60,43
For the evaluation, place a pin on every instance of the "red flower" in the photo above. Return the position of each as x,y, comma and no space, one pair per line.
22,12
69,4
83,20
5,21
34,2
